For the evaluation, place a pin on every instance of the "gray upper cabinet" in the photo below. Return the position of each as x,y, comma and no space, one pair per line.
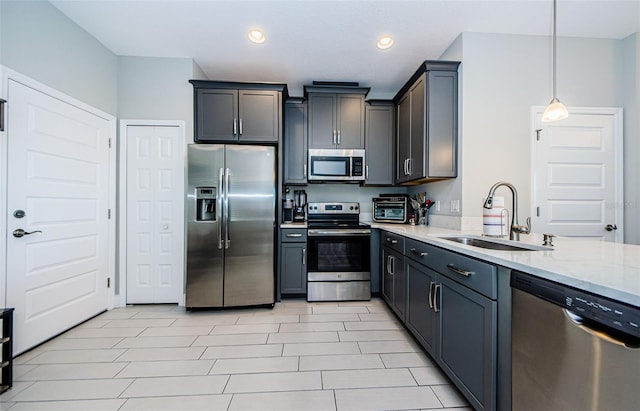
228,112
295,142
427,124
379,137
336,116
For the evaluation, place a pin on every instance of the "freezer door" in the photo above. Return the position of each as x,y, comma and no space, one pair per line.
204,205
249,258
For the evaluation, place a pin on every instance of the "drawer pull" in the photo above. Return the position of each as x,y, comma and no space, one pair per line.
459,271
392,241
420,253
294,235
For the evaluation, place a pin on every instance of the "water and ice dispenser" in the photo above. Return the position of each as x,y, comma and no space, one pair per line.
205,204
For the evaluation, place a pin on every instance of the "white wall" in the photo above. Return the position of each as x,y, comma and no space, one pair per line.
40,42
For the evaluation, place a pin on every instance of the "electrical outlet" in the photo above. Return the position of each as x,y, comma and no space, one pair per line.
455,206
437,205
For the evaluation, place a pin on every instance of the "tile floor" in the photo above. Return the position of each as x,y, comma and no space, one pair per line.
296,356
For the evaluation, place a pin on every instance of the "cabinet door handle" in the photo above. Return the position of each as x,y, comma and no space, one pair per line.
458,270
334,137
391,240
304,171
294,235
235,126
240,127
419,253
436,290
338,137
409,167
392,265
431,284
366,175
304,256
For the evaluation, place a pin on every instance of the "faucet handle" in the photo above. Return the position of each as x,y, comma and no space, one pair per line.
521,229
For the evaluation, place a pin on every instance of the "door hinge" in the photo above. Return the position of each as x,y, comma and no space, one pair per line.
109,214
538,134
108,282
109,142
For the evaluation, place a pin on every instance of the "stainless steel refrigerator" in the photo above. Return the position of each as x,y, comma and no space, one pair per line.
231,213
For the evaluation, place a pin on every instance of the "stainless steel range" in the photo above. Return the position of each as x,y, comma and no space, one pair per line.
338,253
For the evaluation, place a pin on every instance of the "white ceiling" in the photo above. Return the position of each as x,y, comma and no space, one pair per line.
329,40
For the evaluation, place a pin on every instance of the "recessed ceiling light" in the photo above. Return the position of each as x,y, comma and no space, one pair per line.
384,42
256,36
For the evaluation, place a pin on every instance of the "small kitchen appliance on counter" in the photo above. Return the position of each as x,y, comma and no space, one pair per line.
287,210
338,253
391,208
299,213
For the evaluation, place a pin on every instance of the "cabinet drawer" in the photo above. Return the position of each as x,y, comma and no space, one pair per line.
393,241
294,235
475,274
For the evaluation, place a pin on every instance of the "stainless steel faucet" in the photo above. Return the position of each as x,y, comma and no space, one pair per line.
516,228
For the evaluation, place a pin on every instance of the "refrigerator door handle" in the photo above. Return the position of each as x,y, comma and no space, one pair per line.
227,242
219,206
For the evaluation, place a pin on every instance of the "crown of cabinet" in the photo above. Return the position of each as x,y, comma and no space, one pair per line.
237,112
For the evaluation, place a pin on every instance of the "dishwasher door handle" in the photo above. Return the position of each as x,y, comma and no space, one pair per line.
592,328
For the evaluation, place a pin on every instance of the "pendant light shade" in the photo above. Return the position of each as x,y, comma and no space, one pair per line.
555,110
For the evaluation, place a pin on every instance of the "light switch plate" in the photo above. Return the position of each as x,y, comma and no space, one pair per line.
455,206
437,205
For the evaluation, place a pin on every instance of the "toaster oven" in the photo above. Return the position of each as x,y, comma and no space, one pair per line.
391,209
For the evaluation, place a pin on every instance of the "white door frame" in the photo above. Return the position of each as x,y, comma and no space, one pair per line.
122,192
618,136
8,74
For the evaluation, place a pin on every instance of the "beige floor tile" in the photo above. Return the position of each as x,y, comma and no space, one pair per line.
103,332
340,309
376,335
378,316
155,342
449,396
244,329
82,343
94,323
255,365
136,323
409,359
340,362
269,319
230,339
316,318
76,356
21,369
117,314
191,403
169,386
8,396
82,405
381,347
73,390
176,331
243,351
161,354
284,401
73,371
398,398
202,320
173,314
321,348
303,337
372,325
266,382
166,368
308,327
394,377
429,376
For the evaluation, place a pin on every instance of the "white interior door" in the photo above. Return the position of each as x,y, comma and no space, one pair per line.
155,214
578,175
58,190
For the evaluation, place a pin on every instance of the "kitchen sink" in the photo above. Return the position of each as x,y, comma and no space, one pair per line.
496,244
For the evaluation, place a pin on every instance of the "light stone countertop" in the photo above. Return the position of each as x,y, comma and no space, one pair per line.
607,269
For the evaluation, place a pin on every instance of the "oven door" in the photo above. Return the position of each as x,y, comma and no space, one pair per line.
338,264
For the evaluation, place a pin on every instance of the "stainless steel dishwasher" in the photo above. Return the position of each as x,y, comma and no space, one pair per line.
572,350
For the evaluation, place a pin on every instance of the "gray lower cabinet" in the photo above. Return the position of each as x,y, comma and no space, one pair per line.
421,319
394,284
295,142
378,140
293,262
427,124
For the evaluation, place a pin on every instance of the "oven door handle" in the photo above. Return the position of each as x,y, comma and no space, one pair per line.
338,232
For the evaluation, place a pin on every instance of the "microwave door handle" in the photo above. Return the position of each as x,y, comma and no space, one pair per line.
338,137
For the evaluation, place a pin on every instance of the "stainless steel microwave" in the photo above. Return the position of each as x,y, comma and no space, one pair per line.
391,209
336,165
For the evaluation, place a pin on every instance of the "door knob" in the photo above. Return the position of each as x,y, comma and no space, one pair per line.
21,233
610,227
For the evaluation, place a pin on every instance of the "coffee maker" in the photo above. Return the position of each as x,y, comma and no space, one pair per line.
287,210
300,199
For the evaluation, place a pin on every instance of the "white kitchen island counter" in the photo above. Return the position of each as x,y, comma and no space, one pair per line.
608,269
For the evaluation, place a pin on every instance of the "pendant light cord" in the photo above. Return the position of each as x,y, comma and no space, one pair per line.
554,50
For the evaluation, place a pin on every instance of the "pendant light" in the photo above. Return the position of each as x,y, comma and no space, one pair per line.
555,110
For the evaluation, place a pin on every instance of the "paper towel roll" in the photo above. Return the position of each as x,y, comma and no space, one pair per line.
495,221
